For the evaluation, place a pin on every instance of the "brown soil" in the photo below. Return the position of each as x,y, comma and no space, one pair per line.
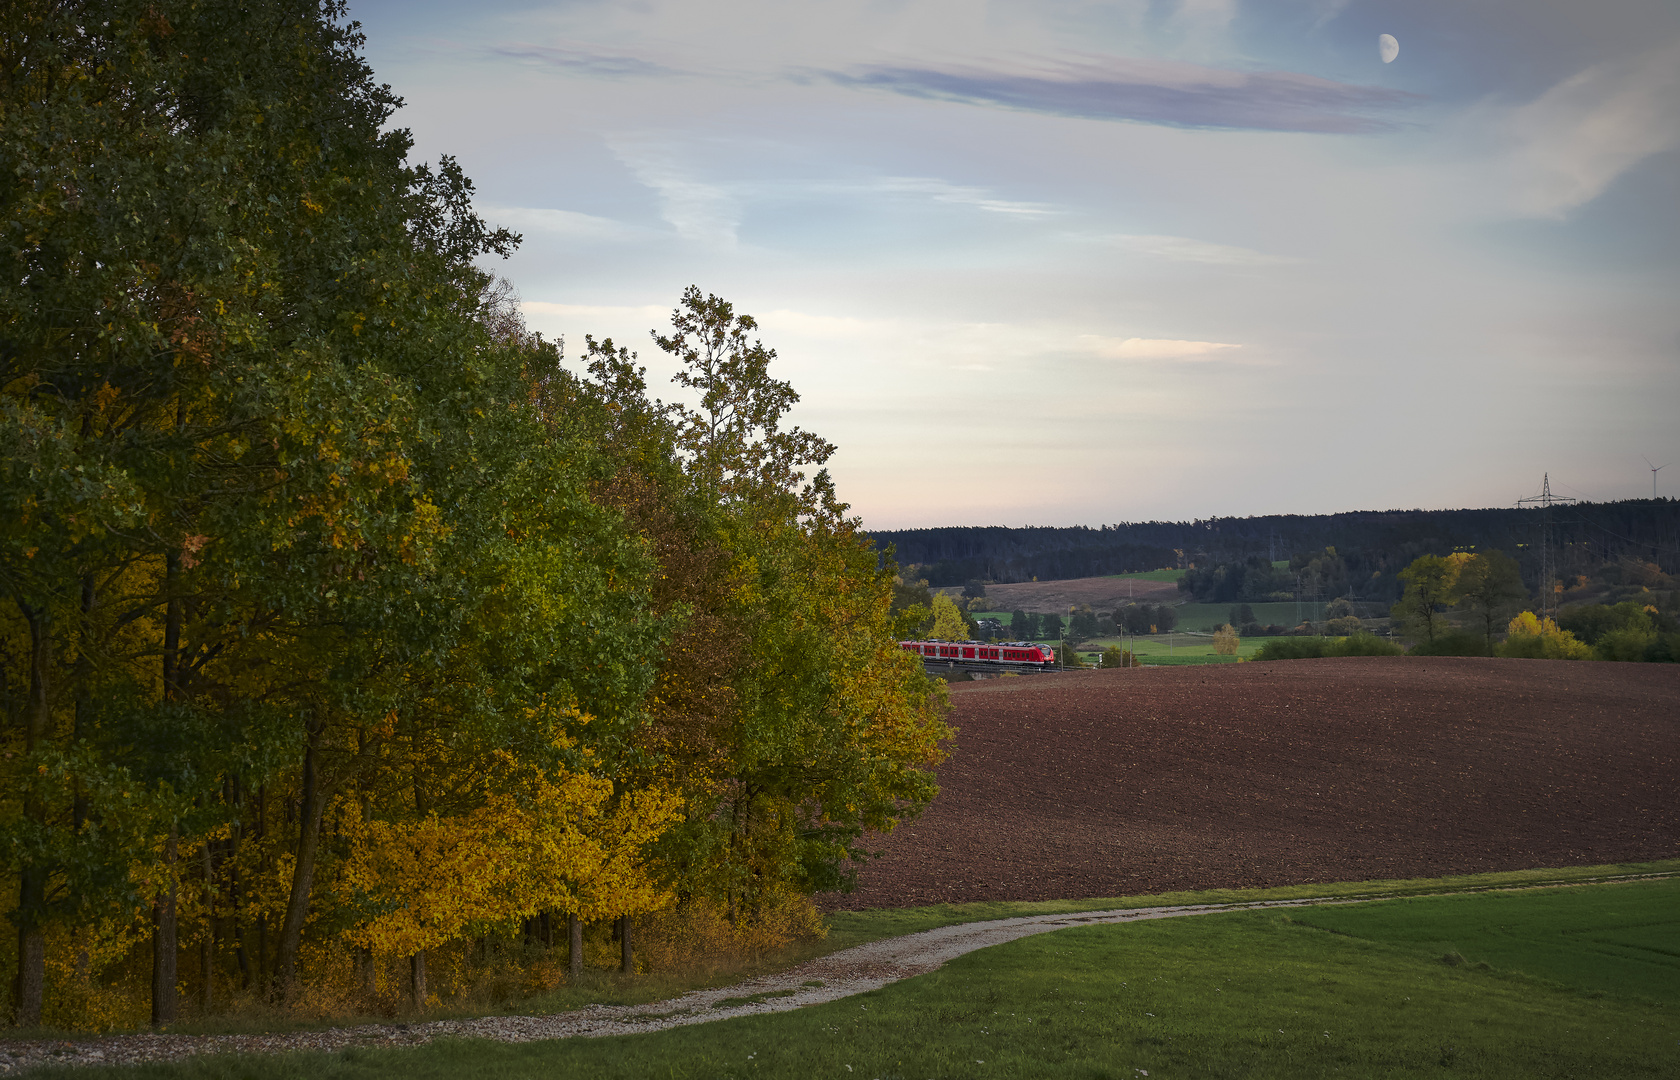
1113,783
1055,597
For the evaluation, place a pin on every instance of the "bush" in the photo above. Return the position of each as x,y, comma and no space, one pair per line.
1533,638
1343,626
1456,643
1664,650
1626,644
1115,656
1311,648
1364,644
1292,648
1225,641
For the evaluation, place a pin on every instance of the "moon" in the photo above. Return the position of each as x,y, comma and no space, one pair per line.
1387,48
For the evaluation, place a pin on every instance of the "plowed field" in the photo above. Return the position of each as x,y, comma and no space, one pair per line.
1110,783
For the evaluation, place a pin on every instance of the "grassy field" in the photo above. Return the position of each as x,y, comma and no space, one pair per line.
1208,616
1535,983
1173,649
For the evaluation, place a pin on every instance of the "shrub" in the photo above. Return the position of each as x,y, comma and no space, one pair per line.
1292,648
1454,643
1225,641
1343,626
1364,644
1629,643
1532,638
1115,656
1311,648
1664,650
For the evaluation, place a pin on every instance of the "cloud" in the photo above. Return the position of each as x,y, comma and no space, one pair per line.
1572,142
1154,348
1155,92
583,59
698,211
1184,249
567,223
941,191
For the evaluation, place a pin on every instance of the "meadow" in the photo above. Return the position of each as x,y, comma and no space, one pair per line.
1540,982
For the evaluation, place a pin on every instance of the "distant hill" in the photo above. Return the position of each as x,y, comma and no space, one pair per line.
1375,544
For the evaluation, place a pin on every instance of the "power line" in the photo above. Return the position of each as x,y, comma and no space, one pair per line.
1545,501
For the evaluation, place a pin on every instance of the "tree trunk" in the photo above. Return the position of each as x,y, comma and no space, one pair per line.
29,985
163,945
207,945
627,954
417,979
574,935
303,872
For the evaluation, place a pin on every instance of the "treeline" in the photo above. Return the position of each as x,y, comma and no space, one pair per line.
1373,544
349,630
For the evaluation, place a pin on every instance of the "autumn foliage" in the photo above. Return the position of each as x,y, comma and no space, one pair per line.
354,639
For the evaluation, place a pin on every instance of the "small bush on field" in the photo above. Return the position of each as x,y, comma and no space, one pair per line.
1343,626
1115,656
1457,643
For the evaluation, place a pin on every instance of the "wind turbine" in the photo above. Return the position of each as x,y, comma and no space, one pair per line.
1654,470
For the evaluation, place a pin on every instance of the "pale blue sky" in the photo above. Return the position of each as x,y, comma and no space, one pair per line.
1087,262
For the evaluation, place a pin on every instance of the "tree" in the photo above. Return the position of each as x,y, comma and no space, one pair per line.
1165,618
1225,641
1429,587
1489,587
1021,626
975,589
948,624
1050,629
1116,657
1530,637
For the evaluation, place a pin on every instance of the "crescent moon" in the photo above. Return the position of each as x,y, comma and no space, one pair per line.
1387,48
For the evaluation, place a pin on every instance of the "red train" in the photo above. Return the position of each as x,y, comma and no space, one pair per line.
1002,655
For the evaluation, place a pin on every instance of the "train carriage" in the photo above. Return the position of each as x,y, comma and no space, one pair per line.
984,655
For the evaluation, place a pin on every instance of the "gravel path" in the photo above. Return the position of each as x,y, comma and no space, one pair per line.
851,971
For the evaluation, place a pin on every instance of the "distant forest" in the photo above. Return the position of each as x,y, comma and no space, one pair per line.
1372,545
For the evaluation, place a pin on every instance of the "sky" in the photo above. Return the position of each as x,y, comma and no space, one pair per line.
1054,263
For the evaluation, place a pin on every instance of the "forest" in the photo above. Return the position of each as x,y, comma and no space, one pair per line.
1370,548
354,635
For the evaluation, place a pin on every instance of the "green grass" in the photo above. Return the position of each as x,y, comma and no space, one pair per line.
1207,616
1326,992
1183,649
1623,940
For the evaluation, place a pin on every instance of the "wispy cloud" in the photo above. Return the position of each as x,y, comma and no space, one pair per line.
1154,348
582,59
945,192
699,211
568,223
1184,249
1572,142
1155,92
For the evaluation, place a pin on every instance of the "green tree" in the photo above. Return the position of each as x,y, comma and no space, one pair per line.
1429,587
1050,627
1489,587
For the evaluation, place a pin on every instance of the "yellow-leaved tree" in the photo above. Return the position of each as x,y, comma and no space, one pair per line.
1225,641
948,624
1533,638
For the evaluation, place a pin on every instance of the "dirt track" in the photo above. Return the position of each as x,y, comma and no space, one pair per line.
1113,783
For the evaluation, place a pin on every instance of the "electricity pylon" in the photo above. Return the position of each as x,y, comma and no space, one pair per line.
1545,501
